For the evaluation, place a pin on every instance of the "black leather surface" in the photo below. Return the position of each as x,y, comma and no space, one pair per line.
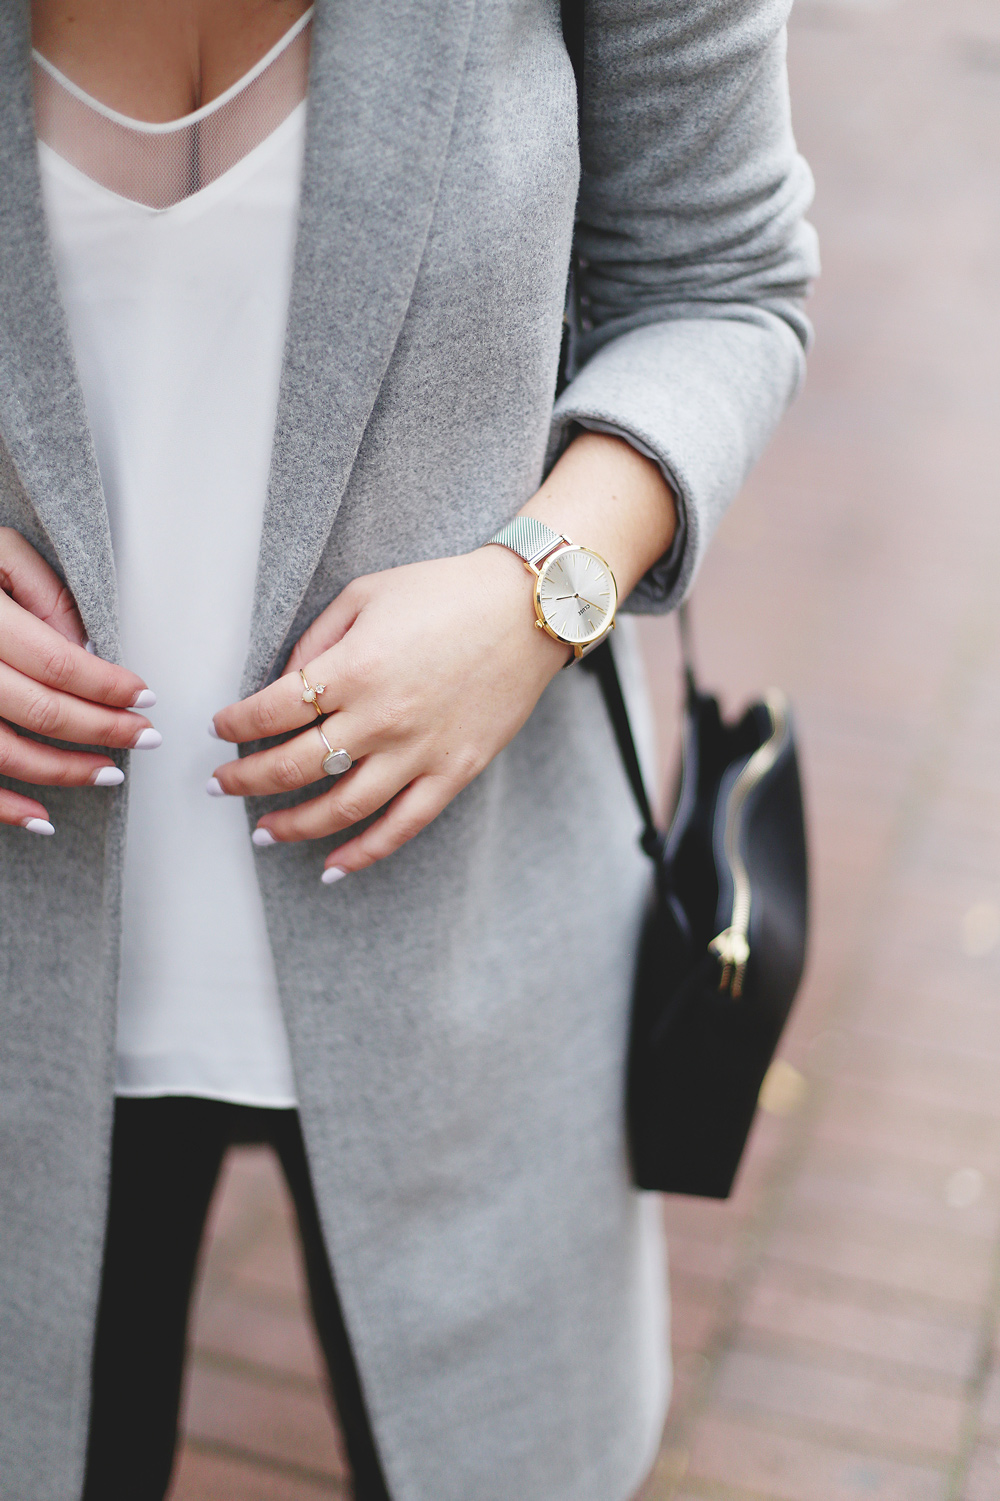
698,1056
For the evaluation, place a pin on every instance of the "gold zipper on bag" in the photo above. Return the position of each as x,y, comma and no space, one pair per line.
732,946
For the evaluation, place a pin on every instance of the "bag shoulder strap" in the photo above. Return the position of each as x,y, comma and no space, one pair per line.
602,663
571,14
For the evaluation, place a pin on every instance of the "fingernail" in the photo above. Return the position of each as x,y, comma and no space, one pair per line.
89,646
213,731
263,838
148,740
144,699
108,776
214,787
38,826
333,873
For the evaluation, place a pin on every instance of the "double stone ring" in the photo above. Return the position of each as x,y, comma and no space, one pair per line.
335,762
311,695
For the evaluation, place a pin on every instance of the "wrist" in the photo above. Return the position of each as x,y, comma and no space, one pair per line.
575,594
606,495
504,578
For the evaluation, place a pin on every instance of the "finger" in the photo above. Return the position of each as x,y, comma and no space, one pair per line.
355,796
41,653
412,810
57,716
25,574
24,811
28,761
279,707
286,767
327,629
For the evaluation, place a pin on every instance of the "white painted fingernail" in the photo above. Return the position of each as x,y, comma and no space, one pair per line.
89,646
214,787
148,740
144,699
38,826
263,838
213,731
108,776
333,873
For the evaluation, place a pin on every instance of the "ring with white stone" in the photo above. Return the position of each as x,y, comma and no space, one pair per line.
310,695
335,762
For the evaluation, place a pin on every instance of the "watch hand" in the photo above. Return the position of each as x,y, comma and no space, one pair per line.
591,604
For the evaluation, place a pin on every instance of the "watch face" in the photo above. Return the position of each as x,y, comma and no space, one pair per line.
576,595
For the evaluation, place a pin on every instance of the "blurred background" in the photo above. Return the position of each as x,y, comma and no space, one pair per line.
835,1324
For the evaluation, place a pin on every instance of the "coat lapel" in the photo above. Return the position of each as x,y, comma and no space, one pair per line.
384,82
42,416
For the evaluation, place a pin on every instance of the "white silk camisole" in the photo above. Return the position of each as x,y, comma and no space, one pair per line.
173,247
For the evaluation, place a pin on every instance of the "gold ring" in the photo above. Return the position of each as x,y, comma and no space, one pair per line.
310,694
335,762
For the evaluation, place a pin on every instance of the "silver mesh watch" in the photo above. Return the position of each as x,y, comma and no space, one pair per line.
575,591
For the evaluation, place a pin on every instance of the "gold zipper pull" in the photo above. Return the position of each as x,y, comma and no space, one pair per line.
732,951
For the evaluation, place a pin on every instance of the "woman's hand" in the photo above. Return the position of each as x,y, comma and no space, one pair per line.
429,670
51,685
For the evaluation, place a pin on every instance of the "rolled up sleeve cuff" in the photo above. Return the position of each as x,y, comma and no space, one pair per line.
700,396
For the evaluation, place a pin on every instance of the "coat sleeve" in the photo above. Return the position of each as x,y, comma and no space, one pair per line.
693,257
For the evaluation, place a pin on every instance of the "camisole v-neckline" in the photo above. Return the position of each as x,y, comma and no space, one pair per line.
161,164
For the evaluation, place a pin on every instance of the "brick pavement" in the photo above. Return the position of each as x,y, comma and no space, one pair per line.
835,1324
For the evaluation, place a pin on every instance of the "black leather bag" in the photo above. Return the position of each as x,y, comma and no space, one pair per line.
723,941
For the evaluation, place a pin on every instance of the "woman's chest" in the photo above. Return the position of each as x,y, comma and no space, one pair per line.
157,62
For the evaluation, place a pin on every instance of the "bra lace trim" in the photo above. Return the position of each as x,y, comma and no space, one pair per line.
160,165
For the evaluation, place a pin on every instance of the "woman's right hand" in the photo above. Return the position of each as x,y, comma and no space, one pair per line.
51,685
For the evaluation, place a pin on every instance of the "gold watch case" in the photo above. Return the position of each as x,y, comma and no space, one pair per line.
543,570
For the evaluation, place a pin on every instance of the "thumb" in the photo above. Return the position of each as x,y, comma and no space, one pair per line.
28,579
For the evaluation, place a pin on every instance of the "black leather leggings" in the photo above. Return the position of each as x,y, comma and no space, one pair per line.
165,1162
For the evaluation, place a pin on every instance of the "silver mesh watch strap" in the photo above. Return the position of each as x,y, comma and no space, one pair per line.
529,538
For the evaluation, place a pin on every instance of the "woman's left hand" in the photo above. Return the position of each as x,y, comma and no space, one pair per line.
427,672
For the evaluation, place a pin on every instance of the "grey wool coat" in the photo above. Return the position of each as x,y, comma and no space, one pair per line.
457,1013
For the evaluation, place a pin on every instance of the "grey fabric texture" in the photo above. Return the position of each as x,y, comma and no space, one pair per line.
458,1014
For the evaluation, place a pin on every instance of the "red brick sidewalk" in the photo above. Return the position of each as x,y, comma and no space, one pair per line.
836,1323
